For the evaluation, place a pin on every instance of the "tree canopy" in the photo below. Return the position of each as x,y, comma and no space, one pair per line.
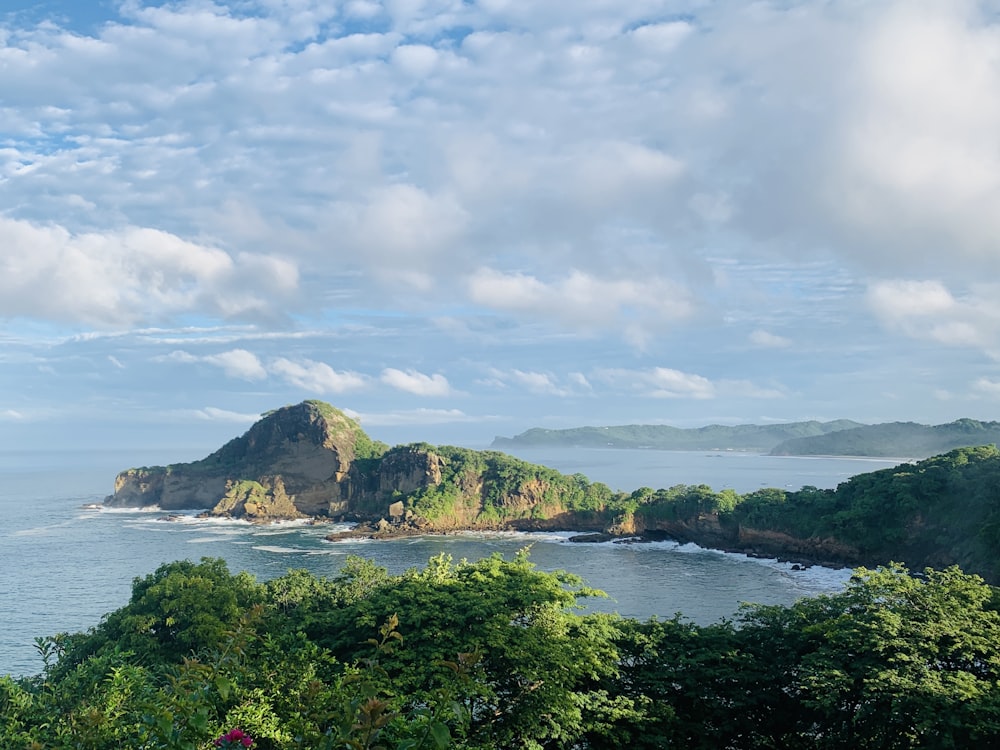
493,654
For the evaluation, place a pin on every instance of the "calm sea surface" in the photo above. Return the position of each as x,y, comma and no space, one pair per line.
63,565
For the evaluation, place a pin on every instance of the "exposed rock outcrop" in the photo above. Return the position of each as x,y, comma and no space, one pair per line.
312,460
304,460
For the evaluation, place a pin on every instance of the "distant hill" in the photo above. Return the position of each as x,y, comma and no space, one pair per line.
746,437
893,439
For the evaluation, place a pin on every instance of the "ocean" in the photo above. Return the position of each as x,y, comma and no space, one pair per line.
65,560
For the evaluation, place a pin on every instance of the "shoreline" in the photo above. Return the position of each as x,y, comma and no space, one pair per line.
583,537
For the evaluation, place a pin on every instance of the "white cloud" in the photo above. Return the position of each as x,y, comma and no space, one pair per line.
987,387
416,417
668,383
415,59
748,389
317,377
769,340
238,363
539,383
660,38
525,174
401,230
900,299
123,277
928,310
584,302
177,355
213,414
665,382
416,382
919,160
659,382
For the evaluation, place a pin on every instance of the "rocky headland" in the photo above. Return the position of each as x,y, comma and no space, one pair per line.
311,460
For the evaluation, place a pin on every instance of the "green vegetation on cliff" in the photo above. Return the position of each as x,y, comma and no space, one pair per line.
940,511
937,512
493,487
491,654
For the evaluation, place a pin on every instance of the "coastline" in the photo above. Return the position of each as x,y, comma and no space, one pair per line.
385,531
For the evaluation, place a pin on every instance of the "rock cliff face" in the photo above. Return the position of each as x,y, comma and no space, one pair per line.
714,532
304,460
815,549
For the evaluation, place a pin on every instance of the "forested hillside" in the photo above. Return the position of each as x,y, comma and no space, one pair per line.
940,511
491,654
894,439
749,437
837,438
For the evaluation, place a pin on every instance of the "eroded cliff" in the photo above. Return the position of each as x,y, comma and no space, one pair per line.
301,460
312,460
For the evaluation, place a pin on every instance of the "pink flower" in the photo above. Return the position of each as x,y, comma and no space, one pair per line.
234,738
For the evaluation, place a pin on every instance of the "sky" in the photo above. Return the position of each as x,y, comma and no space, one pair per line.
456,219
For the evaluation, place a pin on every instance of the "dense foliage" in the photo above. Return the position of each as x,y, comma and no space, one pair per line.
491,654
940,511
499,488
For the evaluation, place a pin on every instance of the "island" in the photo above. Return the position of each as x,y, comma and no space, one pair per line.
311,460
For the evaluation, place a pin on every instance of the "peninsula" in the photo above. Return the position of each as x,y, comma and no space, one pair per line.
312,460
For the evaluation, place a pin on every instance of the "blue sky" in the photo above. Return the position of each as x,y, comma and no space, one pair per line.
456,220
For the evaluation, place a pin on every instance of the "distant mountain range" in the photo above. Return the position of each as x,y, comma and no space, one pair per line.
841,437
895,439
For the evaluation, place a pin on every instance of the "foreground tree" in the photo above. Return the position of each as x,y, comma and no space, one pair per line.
491,654
895,661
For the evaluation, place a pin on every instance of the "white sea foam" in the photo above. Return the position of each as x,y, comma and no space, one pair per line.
278,550
42,530
812,576
528,536
132,511
292,523
353,540
207,539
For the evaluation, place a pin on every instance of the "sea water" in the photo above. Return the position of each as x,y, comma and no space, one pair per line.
65,560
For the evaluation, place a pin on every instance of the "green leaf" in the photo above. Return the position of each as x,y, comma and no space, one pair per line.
440,735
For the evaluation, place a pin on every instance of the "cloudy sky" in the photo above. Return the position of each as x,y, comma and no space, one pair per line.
463,218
